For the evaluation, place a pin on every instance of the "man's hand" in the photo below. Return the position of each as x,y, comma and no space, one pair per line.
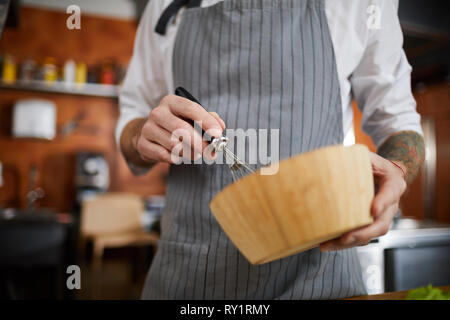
147,141
390,184
406,153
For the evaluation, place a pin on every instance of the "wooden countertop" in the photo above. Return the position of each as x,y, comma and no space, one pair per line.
399,295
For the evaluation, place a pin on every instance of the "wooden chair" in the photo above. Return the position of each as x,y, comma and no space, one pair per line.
112,220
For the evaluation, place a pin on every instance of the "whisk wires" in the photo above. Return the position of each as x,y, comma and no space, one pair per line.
238,168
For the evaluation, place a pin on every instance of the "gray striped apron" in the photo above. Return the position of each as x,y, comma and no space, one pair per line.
264,64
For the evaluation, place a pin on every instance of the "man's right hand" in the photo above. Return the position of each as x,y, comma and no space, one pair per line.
147,141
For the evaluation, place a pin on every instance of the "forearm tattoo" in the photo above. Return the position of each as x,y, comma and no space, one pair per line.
407,147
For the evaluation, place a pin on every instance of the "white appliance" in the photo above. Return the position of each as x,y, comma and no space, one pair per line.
34,118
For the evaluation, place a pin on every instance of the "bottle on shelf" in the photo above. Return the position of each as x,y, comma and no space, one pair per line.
50,70
69,72
9,69
81,73
107,73
27,70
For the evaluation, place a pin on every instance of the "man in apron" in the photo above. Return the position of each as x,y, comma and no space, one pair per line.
291,65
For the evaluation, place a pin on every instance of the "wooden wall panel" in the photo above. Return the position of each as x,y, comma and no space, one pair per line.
55,160
443,169
434,102
43,33
360,135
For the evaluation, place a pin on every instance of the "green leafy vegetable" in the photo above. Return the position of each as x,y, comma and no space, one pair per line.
428,293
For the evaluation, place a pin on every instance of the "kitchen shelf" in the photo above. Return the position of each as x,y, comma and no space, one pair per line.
85,89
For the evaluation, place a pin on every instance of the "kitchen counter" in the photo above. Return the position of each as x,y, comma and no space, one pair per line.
399,295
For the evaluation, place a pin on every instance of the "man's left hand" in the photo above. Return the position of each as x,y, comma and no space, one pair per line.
390,184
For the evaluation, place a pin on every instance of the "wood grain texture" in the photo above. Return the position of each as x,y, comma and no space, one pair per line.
313,197
43,33
360,136
434,102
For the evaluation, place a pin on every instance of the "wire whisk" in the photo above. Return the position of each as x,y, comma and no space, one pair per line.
238,168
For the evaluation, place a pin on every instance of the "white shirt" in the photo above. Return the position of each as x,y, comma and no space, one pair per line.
371,65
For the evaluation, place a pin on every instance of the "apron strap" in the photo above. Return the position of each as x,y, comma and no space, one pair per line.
171,11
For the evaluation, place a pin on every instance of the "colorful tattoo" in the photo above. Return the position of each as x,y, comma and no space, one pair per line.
407,147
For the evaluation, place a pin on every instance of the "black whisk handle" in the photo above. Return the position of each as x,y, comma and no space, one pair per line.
182,92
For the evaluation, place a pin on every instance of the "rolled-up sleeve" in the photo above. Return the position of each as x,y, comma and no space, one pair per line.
145,82
381,83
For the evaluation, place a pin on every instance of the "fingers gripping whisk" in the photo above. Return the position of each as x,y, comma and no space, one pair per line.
238,168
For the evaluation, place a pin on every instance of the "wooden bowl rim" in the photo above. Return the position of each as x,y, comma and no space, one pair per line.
293,158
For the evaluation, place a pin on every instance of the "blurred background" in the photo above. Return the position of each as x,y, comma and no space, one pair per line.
68,198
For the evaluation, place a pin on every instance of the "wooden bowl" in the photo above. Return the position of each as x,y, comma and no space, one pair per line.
314,197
